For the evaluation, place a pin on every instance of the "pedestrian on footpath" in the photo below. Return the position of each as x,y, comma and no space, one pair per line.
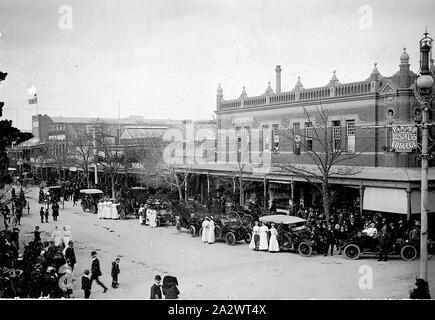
42,213
70,254
37,235
86,284
115,272
96,271
46,215
264,243
205,226
156,291
55,211
56,236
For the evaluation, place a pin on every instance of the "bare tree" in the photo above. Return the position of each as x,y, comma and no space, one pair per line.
324,148
61,156
110,155
83,145
237,180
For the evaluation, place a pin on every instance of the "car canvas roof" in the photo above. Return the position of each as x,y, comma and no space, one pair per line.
281,218
91,191
54,187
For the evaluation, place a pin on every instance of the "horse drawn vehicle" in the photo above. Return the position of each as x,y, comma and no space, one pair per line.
293,234
90,198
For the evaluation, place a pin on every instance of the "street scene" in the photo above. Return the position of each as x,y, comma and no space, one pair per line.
194,151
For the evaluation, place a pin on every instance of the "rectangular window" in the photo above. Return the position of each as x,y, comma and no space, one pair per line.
275,137
309,135
297,138
350,130
336,134
239,144
266,138
248,141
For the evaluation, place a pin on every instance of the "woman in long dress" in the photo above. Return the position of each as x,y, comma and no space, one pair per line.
56,236
108,212
153,217
255,240
211,227
66,235
273,243
205,227
100,209
264,245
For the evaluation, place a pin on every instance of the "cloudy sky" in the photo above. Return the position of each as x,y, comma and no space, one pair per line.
165,58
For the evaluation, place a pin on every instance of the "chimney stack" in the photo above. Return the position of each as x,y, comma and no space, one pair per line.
278,79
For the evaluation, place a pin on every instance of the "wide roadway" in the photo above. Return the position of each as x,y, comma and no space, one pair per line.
215,271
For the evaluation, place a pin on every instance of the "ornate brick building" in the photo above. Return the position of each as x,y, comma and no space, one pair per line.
360,115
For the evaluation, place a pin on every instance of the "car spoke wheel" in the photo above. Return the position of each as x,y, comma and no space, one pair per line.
248,237
178,226
408,252
352,251
193,231
230,238
305,249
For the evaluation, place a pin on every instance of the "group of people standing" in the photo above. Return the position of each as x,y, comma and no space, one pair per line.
148,213
208,228
260,240
107,209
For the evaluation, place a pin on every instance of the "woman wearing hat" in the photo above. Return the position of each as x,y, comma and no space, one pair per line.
273,242
56,236
211,227
153,216
66,236
255,240
264,245
205,228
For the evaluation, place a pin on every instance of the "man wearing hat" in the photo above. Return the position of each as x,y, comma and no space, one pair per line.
70,254
96,271
86,283
156,291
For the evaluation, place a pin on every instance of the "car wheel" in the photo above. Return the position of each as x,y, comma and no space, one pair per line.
158,223
178,226
408,252
193,231
305,249
248,237
352,251
230,238
174,222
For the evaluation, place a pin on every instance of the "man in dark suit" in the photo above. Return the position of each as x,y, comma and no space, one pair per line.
96,271
384,244
86,284
156,292
70,254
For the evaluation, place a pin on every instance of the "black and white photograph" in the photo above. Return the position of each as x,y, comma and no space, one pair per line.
243,151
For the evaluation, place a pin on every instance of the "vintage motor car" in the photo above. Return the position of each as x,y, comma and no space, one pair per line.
231,228
293,233
189,216
165,214
362,244
90,198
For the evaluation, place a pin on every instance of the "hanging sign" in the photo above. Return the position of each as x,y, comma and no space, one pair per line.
404,138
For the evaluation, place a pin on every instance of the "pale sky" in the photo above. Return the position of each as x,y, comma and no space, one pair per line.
165,58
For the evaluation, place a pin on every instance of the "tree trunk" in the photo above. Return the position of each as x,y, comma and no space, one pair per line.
326,200
112,179
241,195
87,177
185,189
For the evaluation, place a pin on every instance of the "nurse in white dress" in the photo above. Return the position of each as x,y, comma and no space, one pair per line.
153,217
273,243
264,245
147,214
205,227
56,236
108,211
255,240
66,235
114,211
100,208
210,237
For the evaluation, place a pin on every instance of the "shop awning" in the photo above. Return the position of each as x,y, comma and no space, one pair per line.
394,200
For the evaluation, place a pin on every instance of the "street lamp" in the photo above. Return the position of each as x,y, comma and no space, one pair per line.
423,93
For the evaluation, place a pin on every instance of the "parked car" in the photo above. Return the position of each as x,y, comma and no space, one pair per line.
189,216
293,233
232,228
362,244
90,198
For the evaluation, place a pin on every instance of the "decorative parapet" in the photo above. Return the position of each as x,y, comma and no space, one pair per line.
327,92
